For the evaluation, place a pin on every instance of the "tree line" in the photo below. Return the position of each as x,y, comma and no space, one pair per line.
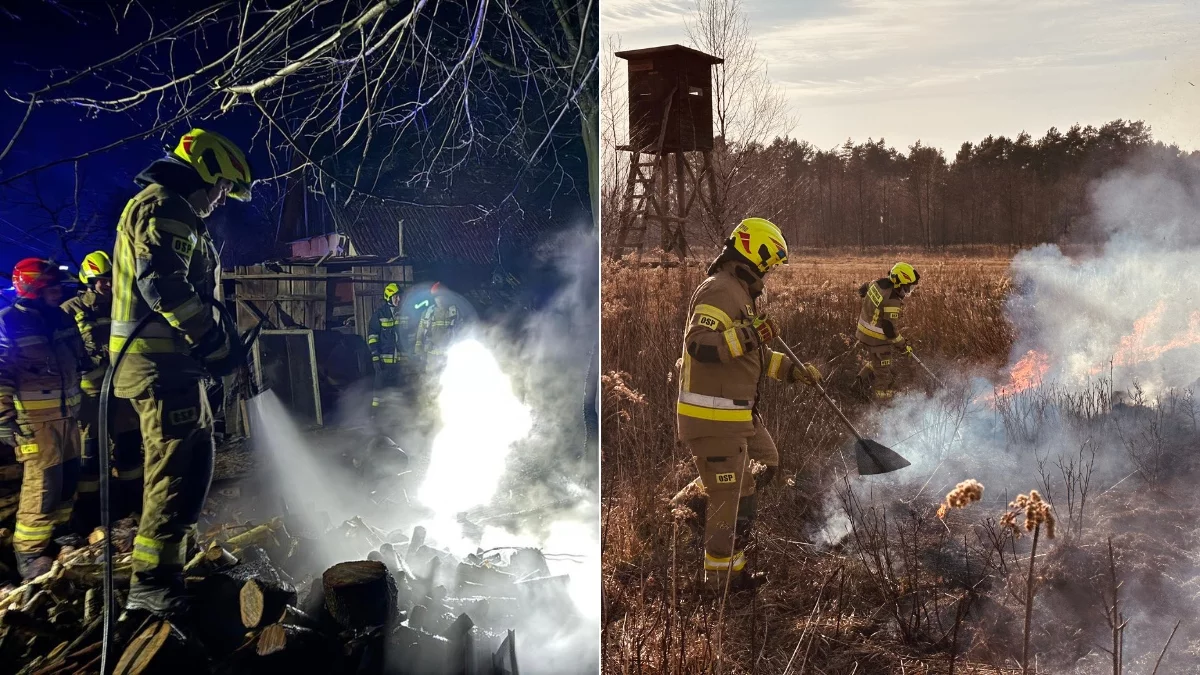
1012,192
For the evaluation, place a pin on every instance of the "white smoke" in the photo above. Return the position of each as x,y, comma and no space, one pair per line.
1118,315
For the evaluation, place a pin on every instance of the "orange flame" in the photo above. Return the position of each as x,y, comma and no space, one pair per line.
1135,348
1025,374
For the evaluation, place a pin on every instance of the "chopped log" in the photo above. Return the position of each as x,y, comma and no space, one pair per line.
459,629
263,600
159,648
359,594
271,535
212,559
219,606
18,620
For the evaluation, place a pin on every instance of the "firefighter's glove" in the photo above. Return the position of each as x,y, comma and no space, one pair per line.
807,373
11,432
766,328
216,353
907,349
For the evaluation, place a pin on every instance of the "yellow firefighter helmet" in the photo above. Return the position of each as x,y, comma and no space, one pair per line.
214,157
390,291
95,265
759,241
903,274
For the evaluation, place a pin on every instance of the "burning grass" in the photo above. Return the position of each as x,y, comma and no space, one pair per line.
865,575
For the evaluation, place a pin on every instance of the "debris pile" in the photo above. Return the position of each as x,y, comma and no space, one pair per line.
268,601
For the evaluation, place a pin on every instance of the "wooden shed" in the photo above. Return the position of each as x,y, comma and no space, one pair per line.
671,85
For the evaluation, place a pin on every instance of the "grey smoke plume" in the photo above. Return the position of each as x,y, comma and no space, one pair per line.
542,491
1119,316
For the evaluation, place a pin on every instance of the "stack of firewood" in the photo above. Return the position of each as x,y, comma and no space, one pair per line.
262,604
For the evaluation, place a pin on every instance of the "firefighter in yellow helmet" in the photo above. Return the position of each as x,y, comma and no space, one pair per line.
725,357
436,330
387,336
41,356
878,329
165,271
91,309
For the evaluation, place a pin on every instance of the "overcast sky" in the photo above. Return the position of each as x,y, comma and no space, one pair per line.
947,71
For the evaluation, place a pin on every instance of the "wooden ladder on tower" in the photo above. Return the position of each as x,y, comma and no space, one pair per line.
643,202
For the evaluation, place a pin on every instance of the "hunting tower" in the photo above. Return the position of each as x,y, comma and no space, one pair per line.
670,116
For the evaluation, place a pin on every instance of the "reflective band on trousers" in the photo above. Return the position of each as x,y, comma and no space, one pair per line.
156,338
736,562
32,532
146,550
714,408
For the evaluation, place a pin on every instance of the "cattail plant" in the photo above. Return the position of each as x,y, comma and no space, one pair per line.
1037,513
963,494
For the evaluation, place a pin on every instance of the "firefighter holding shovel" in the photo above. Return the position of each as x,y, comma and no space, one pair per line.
725,357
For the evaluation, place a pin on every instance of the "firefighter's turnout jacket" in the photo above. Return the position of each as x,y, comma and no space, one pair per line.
878,331
164,263
435,330
879,320
92,314
723,361
41,355
386,335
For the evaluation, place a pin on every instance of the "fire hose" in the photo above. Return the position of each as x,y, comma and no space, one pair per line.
105,520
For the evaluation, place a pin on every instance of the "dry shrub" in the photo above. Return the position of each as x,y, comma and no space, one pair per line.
654,621
961,496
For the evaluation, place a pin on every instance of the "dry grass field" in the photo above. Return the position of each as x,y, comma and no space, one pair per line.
896,589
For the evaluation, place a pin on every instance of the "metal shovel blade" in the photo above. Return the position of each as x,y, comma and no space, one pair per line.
874,458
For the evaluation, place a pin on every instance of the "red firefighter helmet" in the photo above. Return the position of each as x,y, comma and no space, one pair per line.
31,275
436,288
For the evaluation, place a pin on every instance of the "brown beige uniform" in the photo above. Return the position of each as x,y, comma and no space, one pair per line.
40,356
722,365
878,331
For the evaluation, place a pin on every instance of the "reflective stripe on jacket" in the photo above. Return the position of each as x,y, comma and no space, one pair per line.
722,361
40,356
164,262
386,334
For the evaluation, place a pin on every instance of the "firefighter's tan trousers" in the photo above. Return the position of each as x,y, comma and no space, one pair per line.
878,374
51,463
178,444
724,466
126,453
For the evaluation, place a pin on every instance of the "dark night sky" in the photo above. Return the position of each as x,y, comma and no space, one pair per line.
43,42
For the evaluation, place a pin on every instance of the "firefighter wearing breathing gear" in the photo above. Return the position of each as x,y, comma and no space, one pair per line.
385,334
878,329
725,357
165,267
435,330
91,310
41,356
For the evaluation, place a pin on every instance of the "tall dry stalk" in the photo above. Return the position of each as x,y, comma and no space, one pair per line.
1037,513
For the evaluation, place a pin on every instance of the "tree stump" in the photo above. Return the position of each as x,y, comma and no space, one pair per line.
359,594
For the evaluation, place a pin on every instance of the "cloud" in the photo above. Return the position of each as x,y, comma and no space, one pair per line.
956,70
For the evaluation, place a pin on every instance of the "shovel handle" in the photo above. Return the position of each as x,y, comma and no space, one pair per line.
927,370
796,364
